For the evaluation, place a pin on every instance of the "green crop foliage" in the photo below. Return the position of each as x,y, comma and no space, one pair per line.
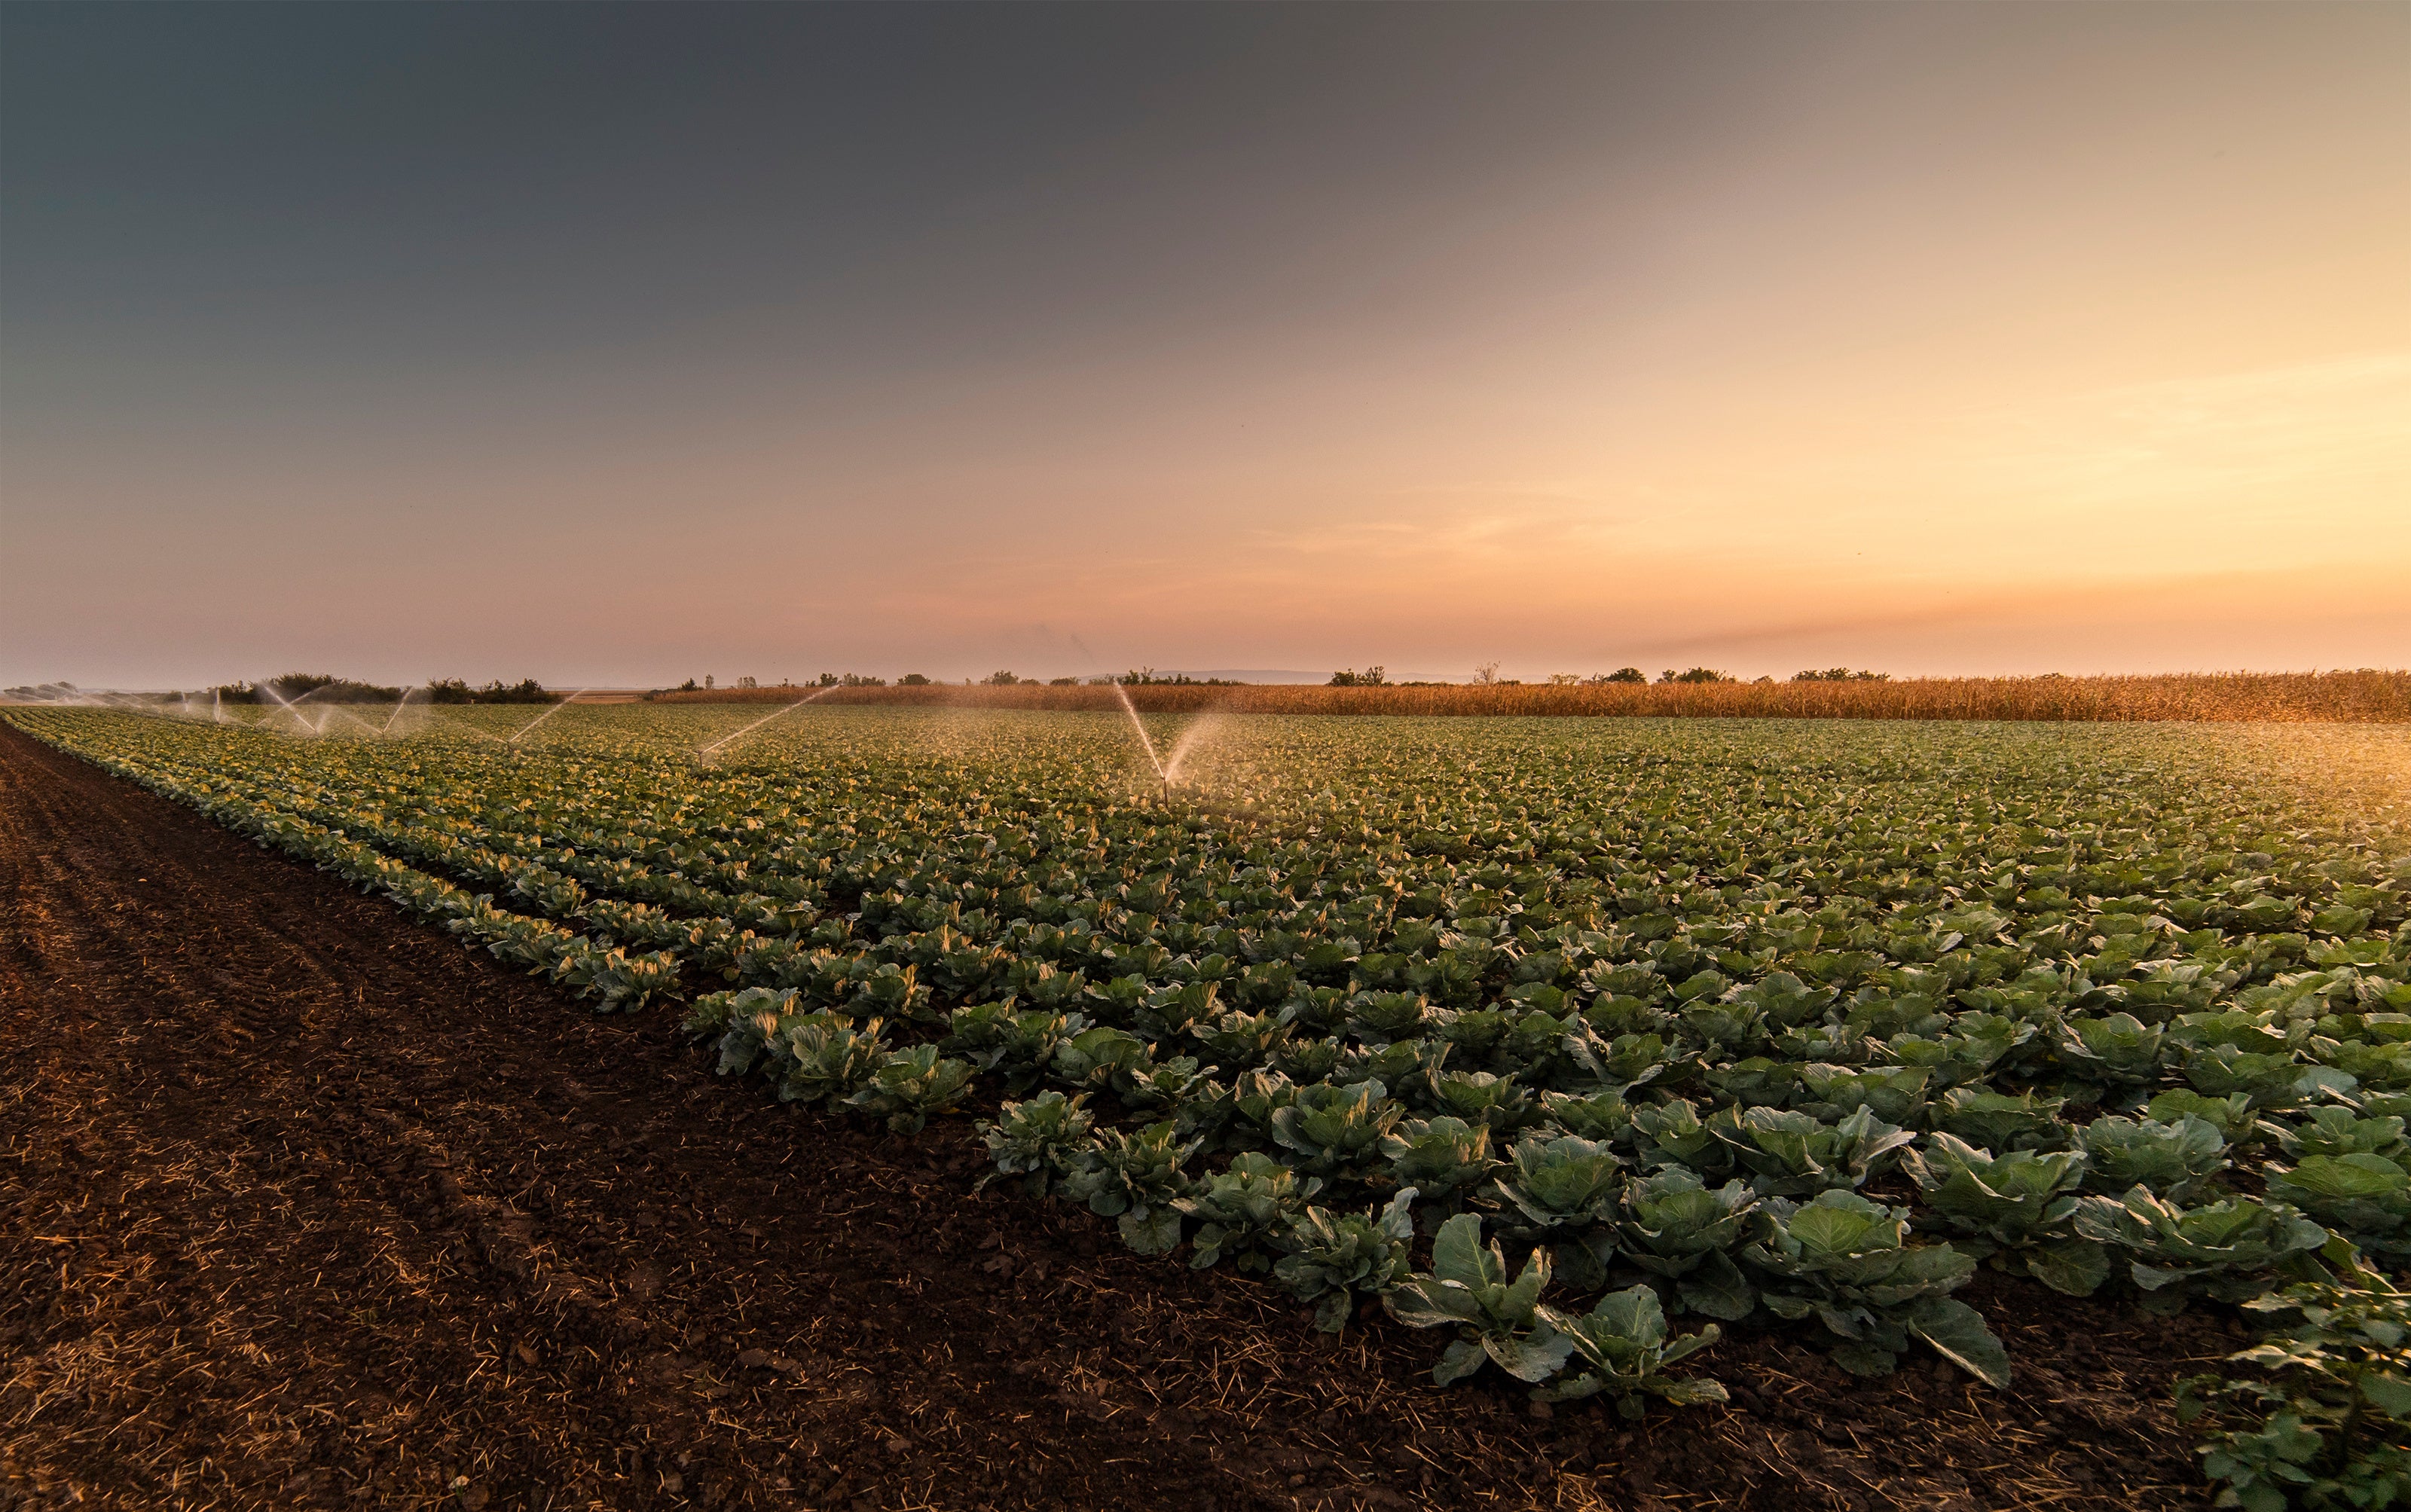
1493,1316
1244,1209
1624,1348
2324,1419
1845,1262
1654,1002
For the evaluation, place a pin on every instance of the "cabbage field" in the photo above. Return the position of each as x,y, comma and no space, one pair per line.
1576,1042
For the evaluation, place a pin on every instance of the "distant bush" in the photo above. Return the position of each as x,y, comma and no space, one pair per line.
1841,674
1369,677
912,679
318,687
526,691
1001,680
1149,677
1697,674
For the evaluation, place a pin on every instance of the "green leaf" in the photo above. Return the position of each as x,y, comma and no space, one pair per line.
1458,1253
1157,1234
2388,1394
1716,1288
2074,1266
1331,1313
1460,1360
1534,1359
1957,1331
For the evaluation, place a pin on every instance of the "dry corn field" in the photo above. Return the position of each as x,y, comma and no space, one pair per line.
2343,697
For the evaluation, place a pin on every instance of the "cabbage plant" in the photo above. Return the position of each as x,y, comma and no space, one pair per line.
1468,1288
1618,1066
1040,1140
1979,1042
1171,1011
713,1013
1499,1103
2175,1158
1999,1121
2119,1050
2232,1116
1335,1257
1673,1133
1563,1183
2341,1132
1602,1115
1383,1017
1402,1065
1845,1262
1090,1059
1441,1157
2217,1250
746,1039
823,1055
908,1085
1016,1043
1304,1060
2224,1070
1336,1128
1149,1087
1236,1041
1133,1178
1623,1347
2018,1210
1893,1094
1243,1208
1794,1153
1674,1226
2366,1198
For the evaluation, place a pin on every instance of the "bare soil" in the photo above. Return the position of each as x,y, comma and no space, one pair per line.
302,1205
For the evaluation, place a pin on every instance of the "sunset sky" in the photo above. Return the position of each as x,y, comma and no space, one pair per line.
619,344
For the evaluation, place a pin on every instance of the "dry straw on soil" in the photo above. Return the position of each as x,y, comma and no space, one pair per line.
2355,697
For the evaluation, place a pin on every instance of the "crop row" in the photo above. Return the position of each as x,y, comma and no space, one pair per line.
1744,1026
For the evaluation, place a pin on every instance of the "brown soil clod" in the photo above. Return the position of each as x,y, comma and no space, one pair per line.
303,1206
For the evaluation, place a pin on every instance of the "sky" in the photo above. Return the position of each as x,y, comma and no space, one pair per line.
618,344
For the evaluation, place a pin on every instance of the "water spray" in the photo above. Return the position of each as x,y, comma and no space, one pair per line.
547,714
271,692
763,721
1197,729
1143,739
397,711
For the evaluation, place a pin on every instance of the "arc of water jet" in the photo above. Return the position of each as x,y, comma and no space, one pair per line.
547,714
1196,731
760,722
397,711
262,687
1132,710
